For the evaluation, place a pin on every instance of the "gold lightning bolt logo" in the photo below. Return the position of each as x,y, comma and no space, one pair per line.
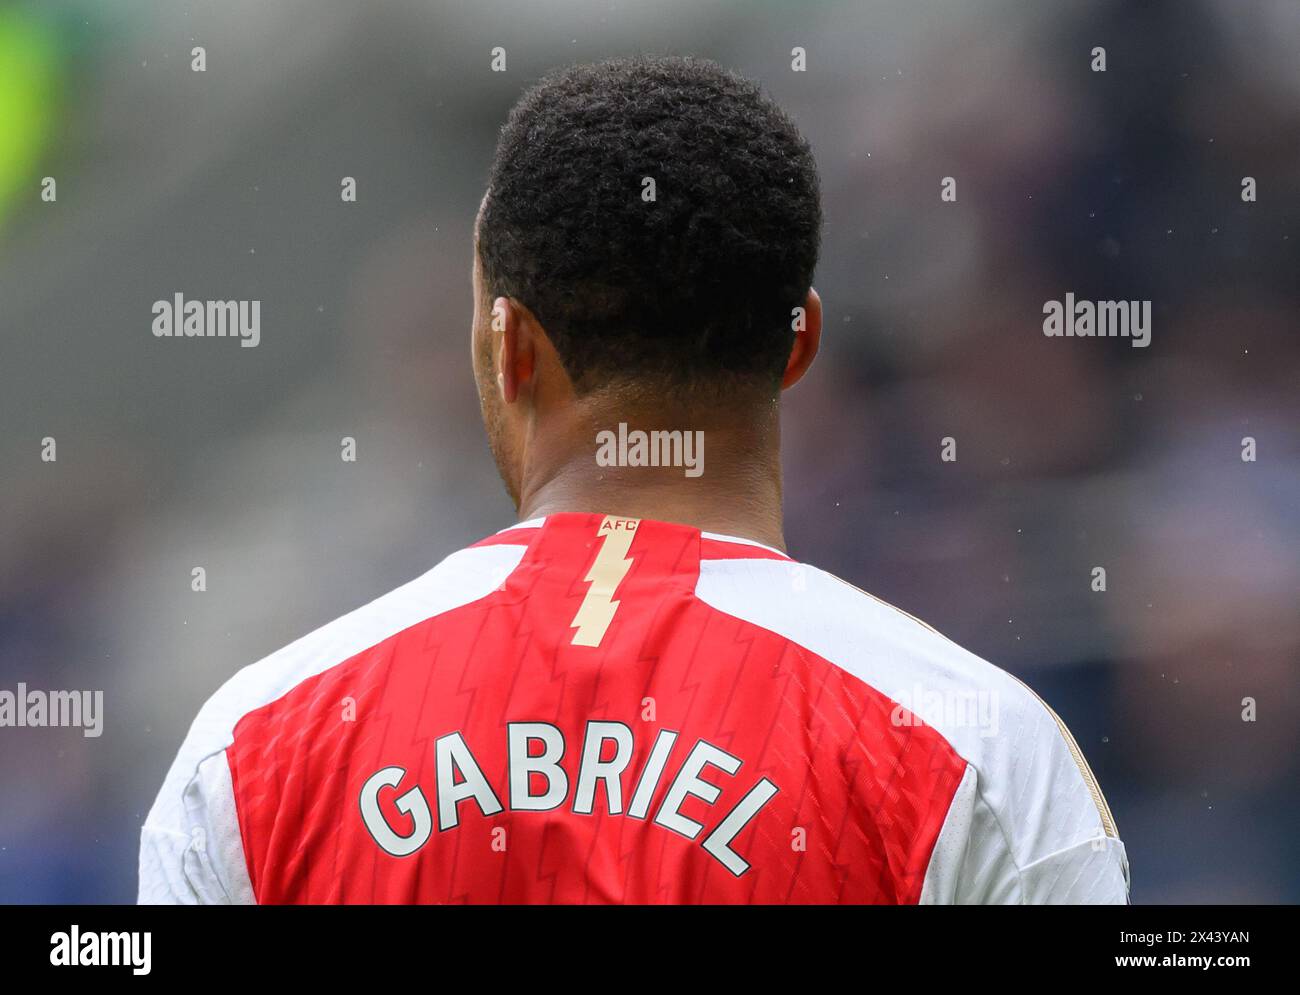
607,572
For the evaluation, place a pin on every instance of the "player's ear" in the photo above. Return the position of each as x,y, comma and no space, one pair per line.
517,354
807,340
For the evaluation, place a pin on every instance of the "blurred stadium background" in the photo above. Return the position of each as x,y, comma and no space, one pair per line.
1072,453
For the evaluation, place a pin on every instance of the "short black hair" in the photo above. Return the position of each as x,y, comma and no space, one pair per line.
697,286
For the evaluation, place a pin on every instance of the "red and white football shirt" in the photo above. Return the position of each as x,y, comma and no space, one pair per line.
596,709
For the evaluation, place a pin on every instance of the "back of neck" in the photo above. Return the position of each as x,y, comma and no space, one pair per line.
724,478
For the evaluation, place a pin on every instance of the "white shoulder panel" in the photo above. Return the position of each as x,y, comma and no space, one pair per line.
191,821
1031,789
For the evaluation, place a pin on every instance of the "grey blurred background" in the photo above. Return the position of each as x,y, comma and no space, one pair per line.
1071,453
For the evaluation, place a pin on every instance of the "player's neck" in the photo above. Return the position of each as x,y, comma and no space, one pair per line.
722,478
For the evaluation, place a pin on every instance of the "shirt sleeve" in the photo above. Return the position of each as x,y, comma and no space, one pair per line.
191,852
1034,830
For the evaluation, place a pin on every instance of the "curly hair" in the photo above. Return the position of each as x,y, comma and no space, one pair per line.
693,287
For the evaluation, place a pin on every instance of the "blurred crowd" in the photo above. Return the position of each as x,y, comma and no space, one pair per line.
1072,453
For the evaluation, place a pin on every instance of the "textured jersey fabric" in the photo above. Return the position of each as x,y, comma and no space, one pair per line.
591,709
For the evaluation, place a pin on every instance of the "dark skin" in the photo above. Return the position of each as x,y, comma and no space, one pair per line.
543,434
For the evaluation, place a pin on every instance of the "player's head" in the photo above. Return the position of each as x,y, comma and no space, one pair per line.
647,240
